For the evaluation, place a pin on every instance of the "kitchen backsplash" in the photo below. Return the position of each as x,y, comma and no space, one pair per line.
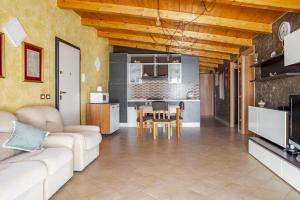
161,89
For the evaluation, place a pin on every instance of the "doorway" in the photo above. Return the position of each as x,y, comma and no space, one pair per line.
207,94
246,88
67,84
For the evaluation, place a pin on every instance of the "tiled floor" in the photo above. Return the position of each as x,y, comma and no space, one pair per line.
211,163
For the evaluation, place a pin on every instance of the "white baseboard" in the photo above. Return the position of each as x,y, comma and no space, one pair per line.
185,124
191,124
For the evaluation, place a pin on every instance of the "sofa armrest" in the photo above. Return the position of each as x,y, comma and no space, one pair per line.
81,128
59,141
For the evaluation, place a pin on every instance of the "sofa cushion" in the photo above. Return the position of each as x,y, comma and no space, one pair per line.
26,138
6,127
4,152
43,117
17,178
53,158
6,122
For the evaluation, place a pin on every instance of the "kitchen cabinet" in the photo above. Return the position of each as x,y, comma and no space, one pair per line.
174,73
106,116
190,69
118,82
118,68
191,111
118,94
135,72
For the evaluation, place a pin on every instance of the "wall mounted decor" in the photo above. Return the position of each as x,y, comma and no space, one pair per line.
15,32
32,63
283,30
97,64
1,55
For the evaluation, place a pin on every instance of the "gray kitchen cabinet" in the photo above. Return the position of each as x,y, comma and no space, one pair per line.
118,68
174,73
135,73
118,82
118,94
190,69
191,111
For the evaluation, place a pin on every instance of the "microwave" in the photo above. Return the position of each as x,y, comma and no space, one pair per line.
99,97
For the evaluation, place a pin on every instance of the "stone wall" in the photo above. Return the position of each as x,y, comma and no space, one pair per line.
275,92
222,106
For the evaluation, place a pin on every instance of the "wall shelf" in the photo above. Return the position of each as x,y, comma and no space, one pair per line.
155,77
269,61
155,63
279,76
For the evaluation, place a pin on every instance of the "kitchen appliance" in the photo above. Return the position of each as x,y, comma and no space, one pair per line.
190,95
99,97
99,89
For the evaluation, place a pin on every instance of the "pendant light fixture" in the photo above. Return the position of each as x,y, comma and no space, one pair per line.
158,23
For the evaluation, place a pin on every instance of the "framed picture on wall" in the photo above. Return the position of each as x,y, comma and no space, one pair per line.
33,56
1,55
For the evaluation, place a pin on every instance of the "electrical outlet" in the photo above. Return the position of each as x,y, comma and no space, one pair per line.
48,96
42,96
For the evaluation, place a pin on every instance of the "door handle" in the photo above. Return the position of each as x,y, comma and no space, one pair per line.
62,92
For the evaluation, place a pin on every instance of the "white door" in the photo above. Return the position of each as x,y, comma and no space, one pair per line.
69,83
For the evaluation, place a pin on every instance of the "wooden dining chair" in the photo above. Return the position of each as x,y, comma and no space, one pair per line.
177,119
161,116
143,121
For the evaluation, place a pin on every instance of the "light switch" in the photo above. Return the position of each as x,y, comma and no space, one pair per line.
42,96
48,96
83,78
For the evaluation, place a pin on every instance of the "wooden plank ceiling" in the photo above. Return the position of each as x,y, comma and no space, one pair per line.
210,29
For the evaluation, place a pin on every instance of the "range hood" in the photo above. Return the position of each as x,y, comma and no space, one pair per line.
155,72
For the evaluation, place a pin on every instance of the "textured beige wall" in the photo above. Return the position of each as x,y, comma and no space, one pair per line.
42,21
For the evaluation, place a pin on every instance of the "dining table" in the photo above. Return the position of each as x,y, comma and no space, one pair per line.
149,109
173,109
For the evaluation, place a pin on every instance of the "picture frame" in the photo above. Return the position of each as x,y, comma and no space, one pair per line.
2,71
33,63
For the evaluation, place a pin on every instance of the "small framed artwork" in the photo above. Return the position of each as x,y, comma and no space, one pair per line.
33,56
1,55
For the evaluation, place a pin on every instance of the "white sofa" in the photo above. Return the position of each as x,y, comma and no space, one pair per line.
36,175
86,138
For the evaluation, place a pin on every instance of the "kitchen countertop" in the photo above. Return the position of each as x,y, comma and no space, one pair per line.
147,100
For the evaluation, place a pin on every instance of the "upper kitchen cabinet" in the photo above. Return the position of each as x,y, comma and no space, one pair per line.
174,73
135,72
190,69
154,67
118,68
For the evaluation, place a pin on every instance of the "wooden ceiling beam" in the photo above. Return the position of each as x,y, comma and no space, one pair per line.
206,69
211,60
149,46
156,40
98,7
98,23
280,5
212,65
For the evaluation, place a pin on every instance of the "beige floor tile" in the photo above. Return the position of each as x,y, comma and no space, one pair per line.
208,163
